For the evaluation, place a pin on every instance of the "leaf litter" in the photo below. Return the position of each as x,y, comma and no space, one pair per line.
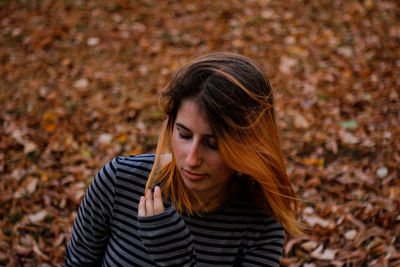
80,83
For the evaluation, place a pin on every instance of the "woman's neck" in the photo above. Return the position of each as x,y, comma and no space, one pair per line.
208,201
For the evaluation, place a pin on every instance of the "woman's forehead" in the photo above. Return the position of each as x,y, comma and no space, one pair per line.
193,118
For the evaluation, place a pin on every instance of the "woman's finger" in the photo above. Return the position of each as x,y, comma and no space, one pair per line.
149,203
158,203
142,207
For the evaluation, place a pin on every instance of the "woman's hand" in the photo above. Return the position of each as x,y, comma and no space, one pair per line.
149,206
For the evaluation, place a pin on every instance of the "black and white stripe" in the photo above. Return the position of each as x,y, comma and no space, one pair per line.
108,231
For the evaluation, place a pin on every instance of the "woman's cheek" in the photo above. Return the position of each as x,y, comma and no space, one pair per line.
177,146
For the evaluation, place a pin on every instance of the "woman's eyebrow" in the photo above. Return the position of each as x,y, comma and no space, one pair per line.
180,125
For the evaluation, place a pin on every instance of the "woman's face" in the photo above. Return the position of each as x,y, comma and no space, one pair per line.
196,152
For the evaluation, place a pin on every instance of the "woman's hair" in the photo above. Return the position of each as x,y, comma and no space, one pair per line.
237,100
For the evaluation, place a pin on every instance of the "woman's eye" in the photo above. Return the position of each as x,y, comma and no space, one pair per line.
212,145
183,136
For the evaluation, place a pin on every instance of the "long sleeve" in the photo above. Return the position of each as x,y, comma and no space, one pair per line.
90,231
266,245
167,239
208,241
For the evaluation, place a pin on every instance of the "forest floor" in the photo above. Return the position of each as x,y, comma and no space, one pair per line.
80,84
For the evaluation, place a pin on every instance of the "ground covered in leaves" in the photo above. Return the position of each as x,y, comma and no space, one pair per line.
80,82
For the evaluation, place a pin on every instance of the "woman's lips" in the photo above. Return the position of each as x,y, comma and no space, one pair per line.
193,176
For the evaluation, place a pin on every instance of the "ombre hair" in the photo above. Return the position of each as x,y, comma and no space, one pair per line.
237,99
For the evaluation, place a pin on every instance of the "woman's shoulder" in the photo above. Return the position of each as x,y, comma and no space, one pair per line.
134,161
138,166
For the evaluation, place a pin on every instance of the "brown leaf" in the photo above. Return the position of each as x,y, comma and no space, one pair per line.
23,251
323,254
39,253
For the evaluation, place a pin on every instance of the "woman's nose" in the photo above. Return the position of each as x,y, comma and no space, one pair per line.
193,158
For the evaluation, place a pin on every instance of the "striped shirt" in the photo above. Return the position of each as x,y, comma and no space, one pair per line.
108,232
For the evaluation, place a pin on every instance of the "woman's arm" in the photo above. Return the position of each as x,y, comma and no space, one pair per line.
164,233
91,227
266,246
167,239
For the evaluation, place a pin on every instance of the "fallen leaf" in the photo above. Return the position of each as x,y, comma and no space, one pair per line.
105,138
28,186
93,41
382,172
301,122
314,220
81,84
23,251
350,235
375,245
351,124
30,147
37,217
39,253
287,64
349,138
309,245
345,51
323,254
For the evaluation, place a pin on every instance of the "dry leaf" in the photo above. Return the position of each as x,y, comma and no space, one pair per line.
382,172
323,254
24,251
350,235
93,41
301,122
287,64
105,138
349,138
314,220
28,186
309,245
29,147
37,217
81,84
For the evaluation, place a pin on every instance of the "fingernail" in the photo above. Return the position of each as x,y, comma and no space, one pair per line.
142,199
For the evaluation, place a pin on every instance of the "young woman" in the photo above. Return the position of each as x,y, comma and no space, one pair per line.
216,192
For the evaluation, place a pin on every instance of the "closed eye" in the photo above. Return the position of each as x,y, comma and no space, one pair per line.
184,136
209,140
211,144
